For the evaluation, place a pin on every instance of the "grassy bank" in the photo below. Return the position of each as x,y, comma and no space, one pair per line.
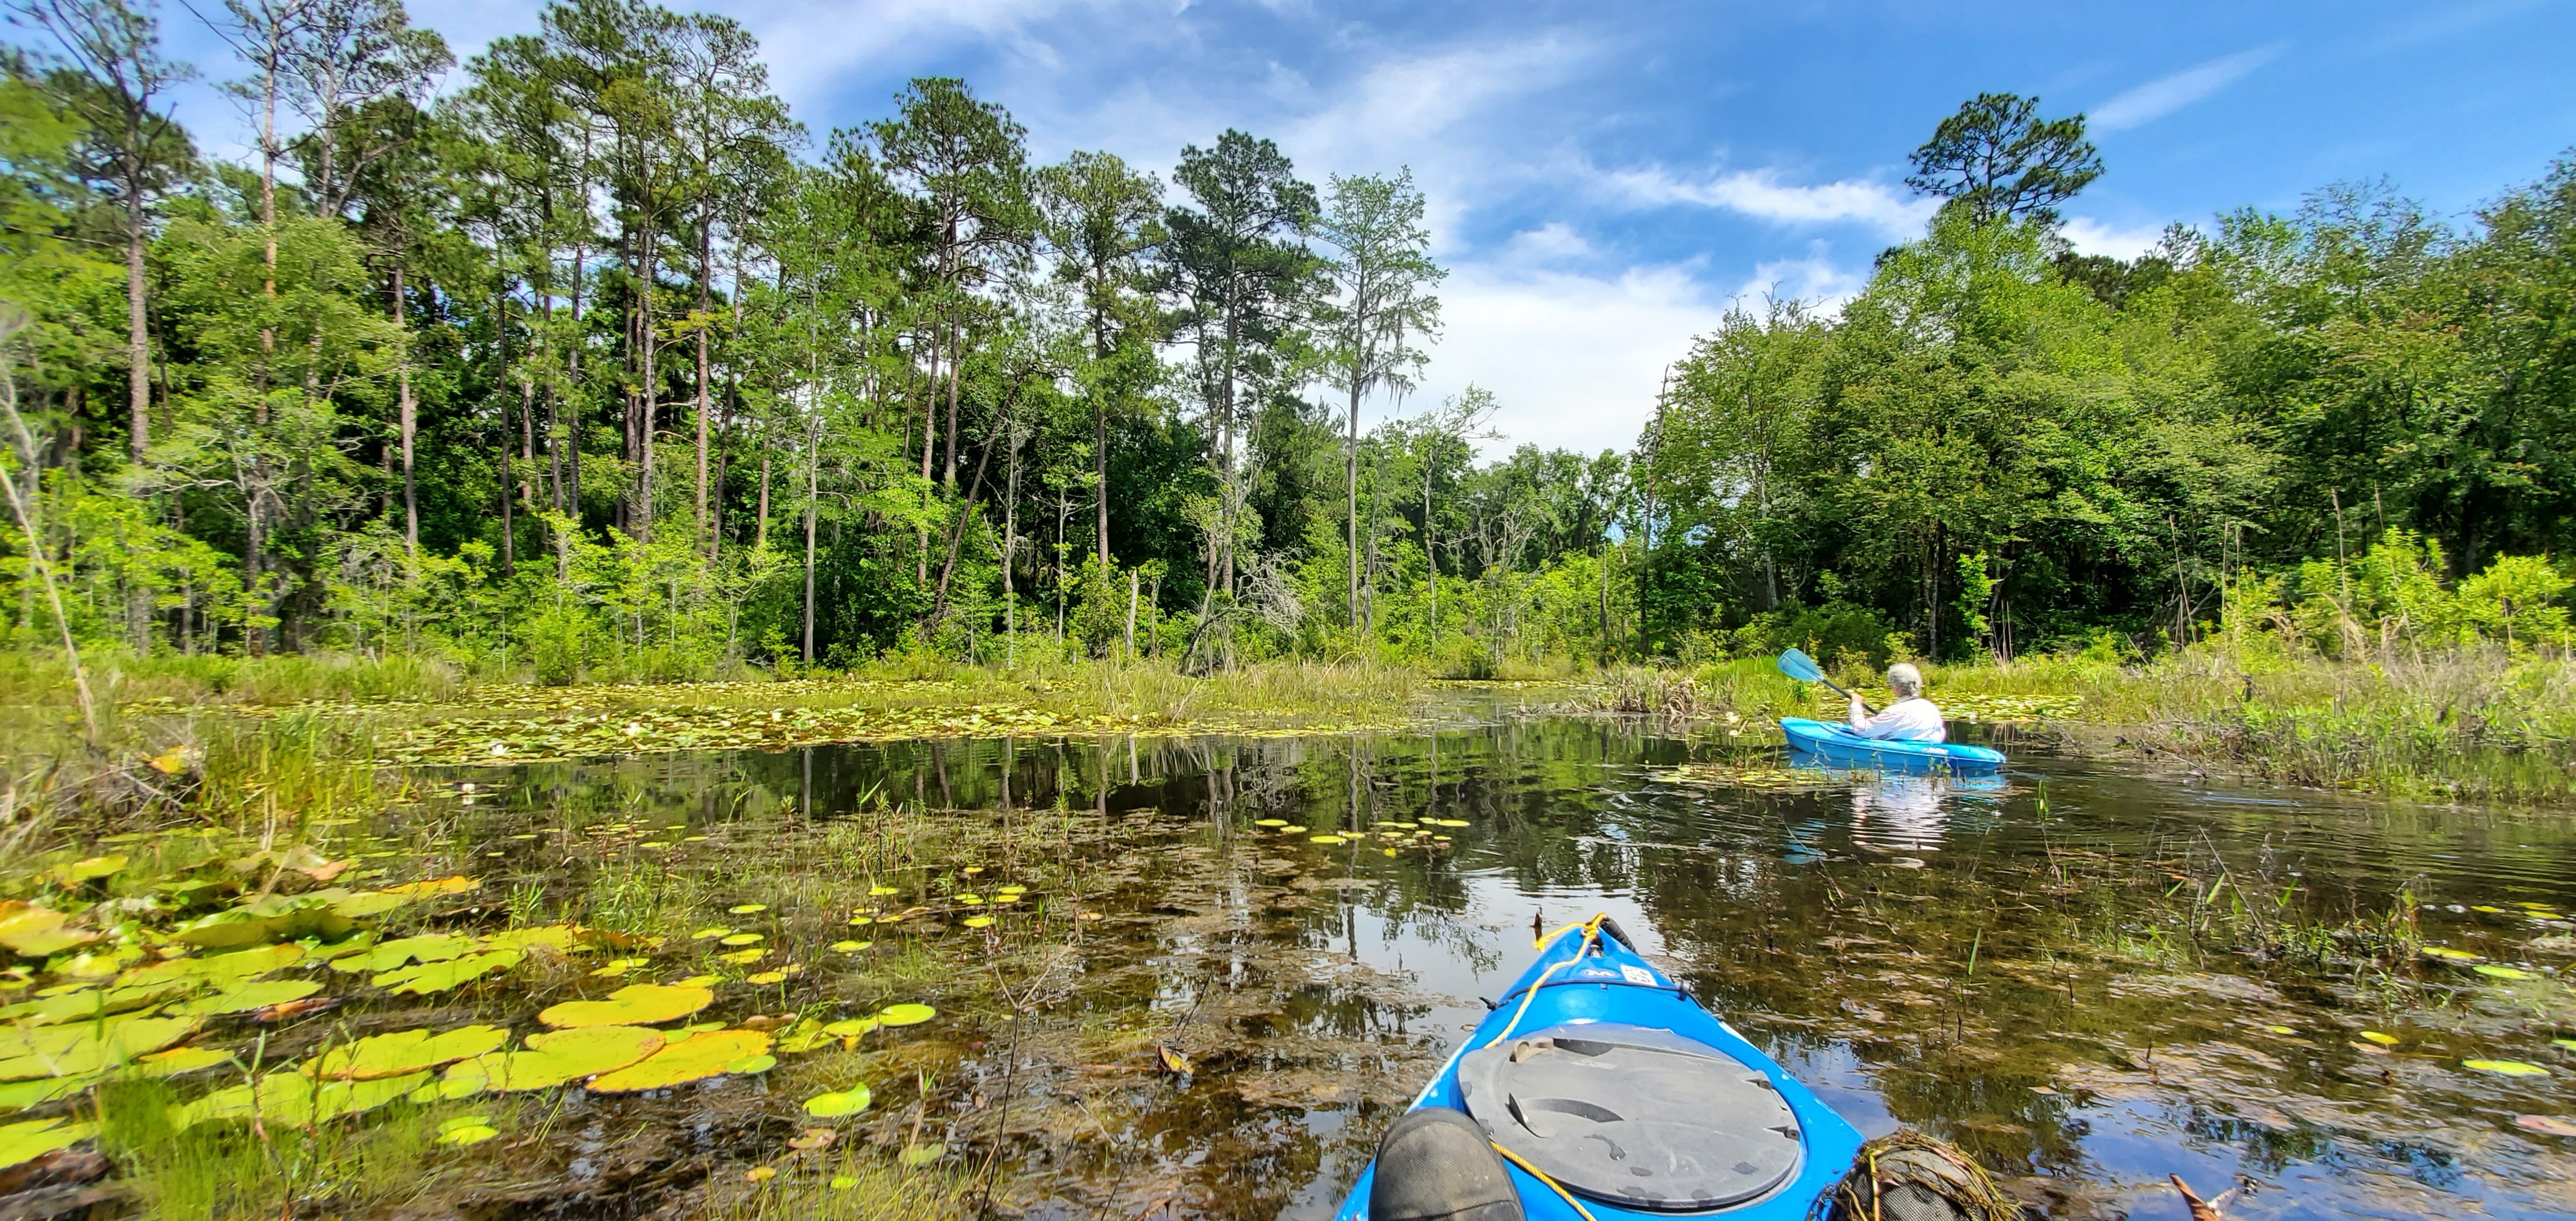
235,739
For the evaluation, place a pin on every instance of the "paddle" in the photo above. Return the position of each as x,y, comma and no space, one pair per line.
1796,664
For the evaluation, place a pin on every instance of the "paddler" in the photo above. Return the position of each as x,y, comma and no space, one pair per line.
1911,718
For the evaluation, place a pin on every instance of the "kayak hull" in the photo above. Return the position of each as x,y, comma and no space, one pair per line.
1837,746
1579,979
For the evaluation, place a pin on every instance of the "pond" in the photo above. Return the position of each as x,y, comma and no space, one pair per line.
1197,977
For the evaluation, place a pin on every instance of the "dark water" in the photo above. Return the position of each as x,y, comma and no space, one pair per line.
2065,972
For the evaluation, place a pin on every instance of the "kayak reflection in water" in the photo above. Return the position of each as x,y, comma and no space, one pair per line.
1911,719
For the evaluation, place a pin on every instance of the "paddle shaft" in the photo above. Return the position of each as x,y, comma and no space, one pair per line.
1864,704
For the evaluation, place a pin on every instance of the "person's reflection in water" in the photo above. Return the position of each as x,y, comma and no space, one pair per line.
1901,813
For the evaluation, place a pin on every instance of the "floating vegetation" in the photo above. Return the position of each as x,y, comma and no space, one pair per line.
2507,1068
1763,776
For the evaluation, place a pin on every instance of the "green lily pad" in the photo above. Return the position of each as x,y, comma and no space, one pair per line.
839,1104
28,1140
2509,1068
907,1014
432,977
748,1065
429,947
90,1004
405,1051
32,931
741,939
289,1097
29,1053
851,1027
221,970
2497,972
692,1059
633,1005
468,1134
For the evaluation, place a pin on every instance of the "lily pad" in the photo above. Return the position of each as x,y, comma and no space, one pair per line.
406,1051
741,939
220,970
2448,954
28,1140
2509,1068
692,1059
917,1156
2384,1040
435,887
907,1014
38,932
1326,839
633,1005
2498,972
839,1104
977,921
432,977
556,1057
745,957
745,909
850,947
850,1027
290,1098
29,1053
430,947
752,1064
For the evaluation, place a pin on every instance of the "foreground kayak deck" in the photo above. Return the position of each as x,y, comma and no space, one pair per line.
1588,974
1838,746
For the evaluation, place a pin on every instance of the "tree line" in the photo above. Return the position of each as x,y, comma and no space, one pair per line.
584,357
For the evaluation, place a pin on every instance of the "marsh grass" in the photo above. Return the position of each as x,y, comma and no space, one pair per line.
2483,723
857,1186
216,1171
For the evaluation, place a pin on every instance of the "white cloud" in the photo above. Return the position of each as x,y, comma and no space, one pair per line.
1760,194
1574,360
1814,282
1552,242
2091,236
2158,98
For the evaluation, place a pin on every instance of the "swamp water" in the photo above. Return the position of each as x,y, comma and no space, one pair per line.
1198,977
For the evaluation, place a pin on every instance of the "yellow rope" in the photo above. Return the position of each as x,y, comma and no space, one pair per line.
1552,1184
1591,929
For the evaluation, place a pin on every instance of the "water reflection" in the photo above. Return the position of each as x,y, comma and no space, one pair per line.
2000,960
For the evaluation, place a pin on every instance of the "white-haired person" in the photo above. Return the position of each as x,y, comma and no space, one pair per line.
1911,718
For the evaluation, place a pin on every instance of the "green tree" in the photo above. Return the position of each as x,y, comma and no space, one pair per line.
1383,277
1997,158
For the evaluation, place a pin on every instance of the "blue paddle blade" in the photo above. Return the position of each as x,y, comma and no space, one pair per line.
1796,664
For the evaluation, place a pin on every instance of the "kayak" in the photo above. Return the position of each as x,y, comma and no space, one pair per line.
1837,746
1611,1094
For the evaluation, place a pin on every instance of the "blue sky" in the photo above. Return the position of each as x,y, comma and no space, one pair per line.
1606,179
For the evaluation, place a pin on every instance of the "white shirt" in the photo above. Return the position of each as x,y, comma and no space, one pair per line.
1914,720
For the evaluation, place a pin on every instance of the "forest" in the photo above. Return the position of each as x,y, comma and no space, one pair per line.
584,359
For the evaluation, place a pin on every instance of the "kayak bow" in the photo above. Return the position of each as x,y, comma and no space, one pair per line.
1613,1095
1837,746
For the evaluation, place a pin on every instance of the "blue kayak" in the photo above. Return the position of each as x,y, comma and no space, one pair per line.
1612,1095
1837,746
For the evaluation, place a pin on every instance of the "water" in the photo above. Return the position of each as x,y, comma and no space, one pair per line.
2052,970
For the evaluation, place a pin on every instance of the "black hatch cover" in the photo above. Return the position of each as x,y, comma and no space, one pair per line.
1638,1117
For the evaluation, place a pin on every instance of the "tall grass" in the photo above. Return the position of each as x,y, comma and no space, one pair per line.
2482,722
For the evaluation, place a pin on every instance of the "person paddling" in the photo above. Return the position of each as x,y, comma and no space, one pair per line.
1911,719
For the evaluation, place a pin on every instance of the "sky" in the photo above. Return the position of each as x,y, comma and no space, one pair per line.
1606,180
